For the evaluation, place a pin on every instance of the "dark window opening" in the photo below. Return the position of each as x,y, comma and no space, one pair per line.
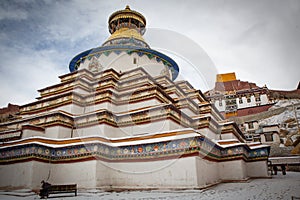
240,100
269,137
250,125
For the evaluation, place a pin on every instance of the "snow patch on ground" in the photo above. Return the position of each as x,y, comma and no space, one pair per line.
287,114
278,119
279,187
285,103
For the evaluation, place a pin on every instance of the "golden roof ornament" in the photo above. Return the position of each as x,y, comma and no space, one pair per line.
128,16
126,23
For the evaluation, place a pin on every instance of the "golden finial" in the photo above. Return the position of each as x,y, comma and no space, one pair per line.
126,23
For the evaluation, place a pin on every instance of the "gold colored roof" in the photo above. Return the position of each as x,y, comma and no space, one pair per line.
126,23
126,32
226,77
127,13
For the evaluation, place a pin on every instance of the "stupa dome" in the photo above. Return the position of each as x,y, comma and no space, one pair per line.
126,49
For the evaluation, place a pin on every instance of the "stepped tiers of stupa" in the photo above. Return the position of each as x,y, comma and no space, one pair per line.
121,120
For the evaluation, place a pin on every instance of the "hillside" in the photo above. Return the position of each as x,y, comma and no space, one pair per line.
288,119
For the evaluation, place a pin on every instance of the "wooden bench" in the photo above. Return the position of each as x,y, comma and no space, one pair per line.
58,189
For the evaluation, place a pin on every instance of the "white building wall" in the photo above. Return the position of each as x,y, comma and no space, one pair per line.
121,107
233,170
99,106
263,139
30,174
188,112
124,62
257,169
154,127
135,106
29,133
207,172
17,175
228,136
177,173
216,136
74,109
80,91
96,130
190,172
70,108
271,129
244,104
58,132
264,99
209,134
255,126
220,106
81,173
275,136
125,131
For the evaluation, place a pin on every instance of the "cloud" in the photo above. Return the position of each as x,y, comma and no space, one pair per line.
39,38
17,15
9,11
258,40
24,71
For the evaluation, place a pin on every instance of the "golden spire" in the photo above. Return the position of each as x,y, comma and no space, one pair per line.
126,17
126,23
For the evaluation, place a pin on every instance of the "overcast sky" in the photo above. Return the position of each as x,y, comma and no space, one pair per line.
259,40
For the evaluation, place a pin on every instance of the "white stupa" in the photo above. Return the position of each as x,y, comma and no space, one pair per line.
120,119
